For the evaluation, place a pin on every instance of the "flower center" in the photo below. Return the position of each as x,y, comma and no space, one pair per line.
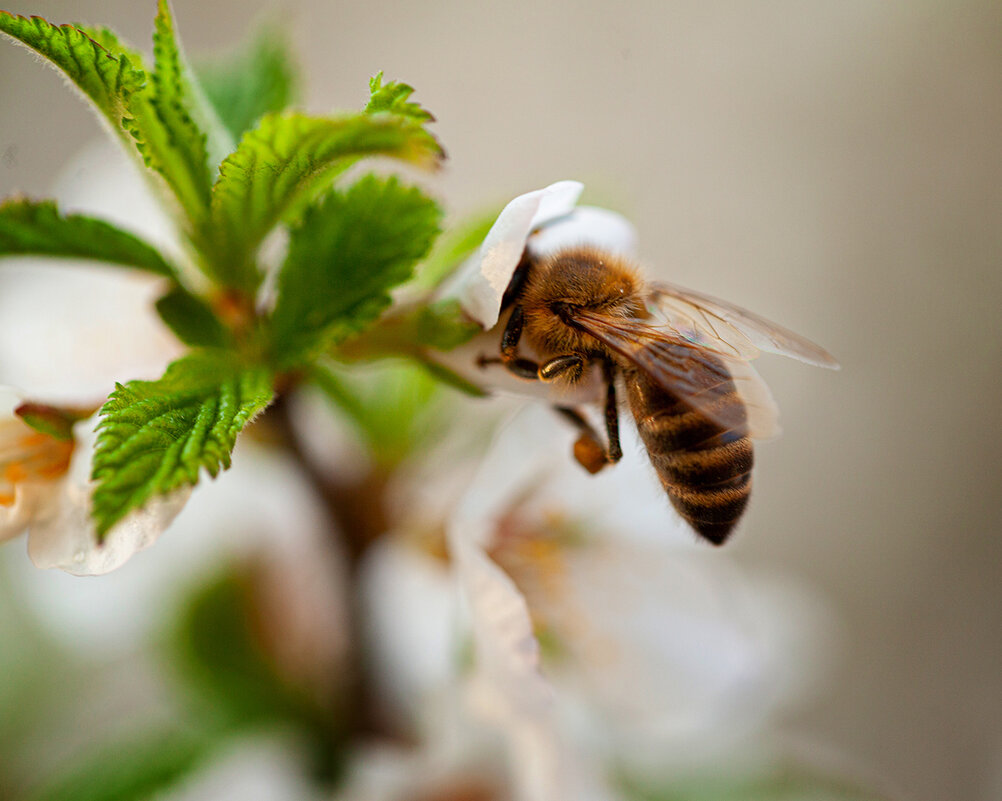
27,455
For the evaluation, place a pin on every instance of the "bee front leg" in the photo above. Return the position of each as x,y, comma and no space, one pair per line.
569,368
523,368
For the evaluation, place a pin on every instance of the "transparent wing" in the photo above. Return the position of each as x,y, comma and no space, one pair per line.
761,408
690,372
729,329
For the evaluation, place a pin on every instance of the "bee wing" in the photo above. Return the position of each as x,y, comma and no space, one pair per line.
688,371
729,329
760,407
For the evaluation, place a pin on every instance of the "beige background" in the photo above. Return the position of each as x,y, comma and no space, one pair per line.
836,166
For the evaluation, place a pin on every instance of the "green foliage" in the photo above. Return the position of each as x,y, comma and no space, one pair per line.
218,647
347,250
393,97
776,783
283,164
109,79
114,44
254,80
344,258
390,404
166,134
192,320
450,378
156,436
443,325
134,769
36,228
53,421
155,116
455,245
219,650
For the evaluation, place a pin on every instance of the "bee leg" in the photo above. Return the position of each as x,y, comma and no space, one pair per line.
569,367
588,451
524,368
615,452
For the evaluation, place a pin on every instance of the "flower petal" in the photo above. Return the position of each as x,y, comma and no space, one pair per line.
62,532
481,283
66,539
408,600
15,516
587,225
108,330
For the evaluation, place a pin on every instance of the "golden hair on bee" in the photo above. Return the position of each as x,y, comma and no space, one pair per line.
581,278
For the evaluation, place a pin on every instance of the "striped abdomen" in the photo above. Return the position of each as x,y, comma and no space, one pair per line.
704,464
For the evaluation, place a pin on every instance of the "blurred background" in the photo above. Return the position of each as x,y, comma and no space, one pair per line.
833,166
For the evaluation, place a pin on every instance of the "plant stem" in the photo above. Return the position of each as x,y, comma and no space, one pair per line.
357,511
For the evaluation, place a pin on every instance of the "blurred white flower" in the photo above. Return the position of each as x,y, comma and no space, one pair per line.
544,221
107,331
69,329
31,466
45,487
251,769
622,639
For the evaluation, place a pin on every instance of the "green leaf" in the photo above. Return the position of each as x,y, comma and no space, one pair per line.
36,228
452,247
393,97
344,258
156,117
108,79
219,649
256,79
139,767
53,421
443,325
113,43
192,320
780,782
450,378
156,436
166,135
390,404
283,164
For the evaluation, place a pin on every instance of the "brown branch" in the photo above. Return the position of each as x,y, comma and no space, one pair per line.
357,510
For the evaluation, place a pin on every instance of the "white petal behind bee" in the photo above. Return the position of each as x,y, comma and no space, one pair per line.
546,220
587,225
480,283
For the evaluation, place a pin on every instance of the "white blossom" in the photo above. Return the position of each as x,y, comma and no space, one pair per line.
544,221
107,331
651,643
45,487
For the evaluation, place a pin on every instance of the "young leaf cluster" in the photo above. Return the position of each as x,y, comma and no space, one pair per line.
232,163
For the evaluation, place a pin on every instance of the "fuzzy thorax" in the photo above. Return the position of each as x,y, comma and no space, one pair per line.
577,278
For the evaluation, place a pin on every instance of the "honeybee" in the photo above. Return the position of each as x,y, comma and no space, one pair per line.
683,361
